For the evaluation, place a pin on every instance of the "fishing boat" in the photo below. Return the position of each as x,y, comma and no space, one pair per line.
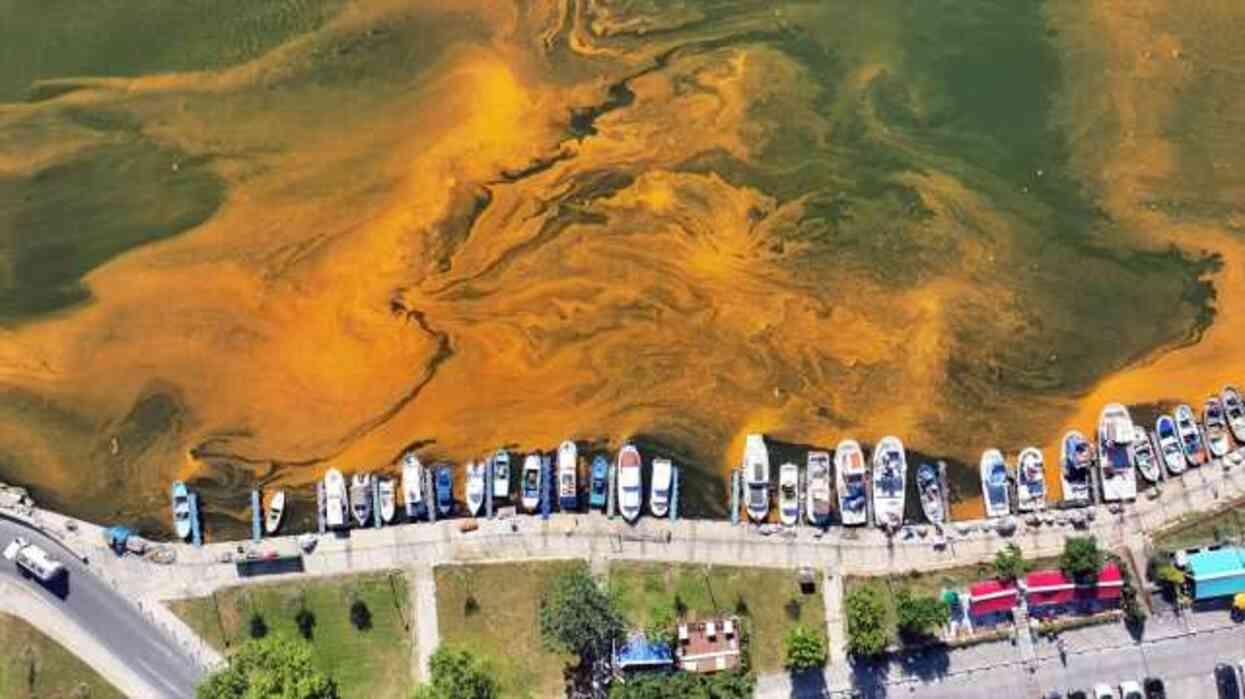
630,485
598,488
568,472
819,503
849,472
929,487
789,494
361,498
475,487
659,487
1077,457
1143,455
1234,408
756,477
1030,480
533,475
501,475
336,499
274,513
1217,439
412,483
890,482
1115,454
1190,436
387,494
1169,444
180,495
444,477
994,483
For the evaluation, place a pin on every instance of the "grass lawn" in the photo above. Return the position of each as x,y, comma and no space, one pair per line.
1200,530
501,626
770,600
374,663
33,665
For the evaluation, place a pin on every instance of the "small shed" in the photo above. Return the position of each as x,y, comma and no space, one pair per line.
640,654
1217,573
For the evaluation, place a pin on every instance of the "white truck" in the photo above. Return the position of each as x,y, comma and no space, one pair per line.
33,560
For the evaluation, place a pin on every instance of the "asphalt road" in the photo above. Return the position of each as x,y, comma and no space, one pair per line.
114,621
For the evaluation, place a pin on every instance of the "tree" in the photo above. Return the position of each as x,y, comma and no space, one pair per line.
806,649
662,627
306,621
1081,559
866,619
259,627
269,667
457,674
1171,576
577,617
721,685
917,615
1010,563
360,615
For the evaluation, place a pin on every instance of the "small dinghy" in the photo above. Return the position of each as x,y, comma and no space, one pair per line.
819,505
361,498
1144,456
1234,409
532,477
1077,459
994,483
501,475
336,499
387,494
568,473
630,483
445,489
849,473
756,477
274,513
1217,439
180,496
1168,437
598,491
475,487
659,487
1190,436
412,483
890,483
929,487
789,494
1030,480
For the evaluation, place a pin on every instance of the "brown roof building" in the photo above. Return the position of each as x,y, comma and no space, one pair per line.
709,646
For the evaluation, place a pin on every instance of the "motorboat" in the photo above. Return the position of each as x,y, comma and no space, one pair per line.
361,498
994,483
444,478
789,494
533,475
817,489
501,475
851,483
890,482
387,496
568,472
659,487
1190,436
180,496
275,512
1030,480
412,483
1168,438
1234,409
336,499
756,477
1115,454
1077,458
598,487
1143,455
475,487
630,483
929,488
1217,439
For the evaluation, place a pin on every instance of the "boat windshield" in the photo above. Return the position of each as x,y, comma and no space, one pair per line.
529,480
788,491
757,496
997,493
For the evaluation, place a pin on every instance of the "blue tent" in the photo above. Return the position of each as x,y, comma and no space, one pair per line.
1218,573
639,653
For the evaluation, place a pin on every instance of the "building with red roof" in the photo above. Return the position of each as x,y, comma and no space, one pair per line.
1050,592
991,601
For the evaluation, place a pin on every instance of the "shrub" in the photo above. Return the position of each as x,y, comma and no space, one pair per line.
360,615
866,622
918,616
806,649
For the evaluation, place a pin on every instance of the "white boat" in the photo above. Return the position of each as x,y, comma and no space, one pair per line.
929,487
849,474
789,494
659,487
1144,456
756,477
475,487
1030,480
1217,439
1190,436
1077,458
501,475
274,513
532,479
890,482
1115,454
817,509
1168,439
181,509
630,483
361,498
568,473
1234,409
412,483
336,499
994,483
387,494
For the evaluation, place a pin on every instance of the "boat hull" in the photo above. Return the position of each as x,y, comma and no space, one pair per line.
598,495
890,477
501,475
756,477
275,513
994,484
789,494
819,504
630,485
929,489
851,483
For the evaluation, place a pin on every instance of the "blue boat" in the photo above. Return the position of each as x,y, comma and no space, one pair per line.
445,490
598,492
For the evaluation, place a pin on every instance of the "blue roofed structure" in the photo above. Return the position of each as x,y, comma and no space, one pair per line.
639,653
1217,573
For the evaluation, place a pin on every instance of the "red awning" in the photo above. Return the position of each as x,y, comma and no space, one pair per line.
991,596
1051,587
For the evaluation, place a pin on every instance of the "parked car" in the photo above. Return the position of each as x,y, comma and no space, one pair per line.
1154,688
1102,691
1225,680
1077,694
1130,690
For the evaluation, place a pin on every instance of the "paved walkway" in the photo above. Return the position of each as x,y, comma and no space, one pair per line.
423,591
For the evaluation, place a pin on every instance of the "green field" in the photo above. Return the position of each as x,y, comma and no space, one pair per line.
33,665
1202,530
374,663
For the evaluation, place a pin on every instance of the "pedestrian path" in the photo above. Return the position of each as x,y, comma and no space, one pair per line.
423,592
